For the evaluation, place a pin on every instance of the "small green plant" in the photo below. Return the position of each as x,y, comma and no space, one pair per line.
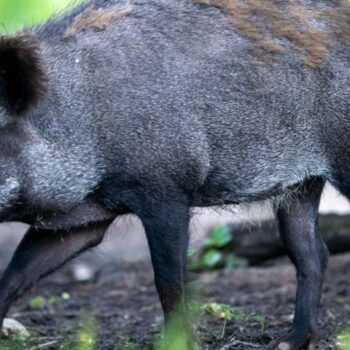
228,313
179,336
40,302
85,338
87,335
179,333
219,237
127,345
216,252
15,344
19,341
343,340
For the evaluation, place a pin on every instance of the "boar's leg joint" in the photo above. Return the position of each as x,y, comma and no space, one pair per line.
40,253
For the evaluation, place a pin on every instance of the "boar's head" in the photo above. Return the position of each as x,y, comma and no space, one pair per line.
23,83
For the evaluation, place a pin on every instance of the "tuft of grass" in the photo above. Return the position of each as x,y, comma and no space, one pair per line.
179,333
343,340
14,344
228,313
86,337
127,345
41,302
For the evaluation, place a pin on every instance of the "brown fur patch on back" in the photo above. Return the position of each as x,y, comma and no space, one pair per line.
339,20
98,19
265,23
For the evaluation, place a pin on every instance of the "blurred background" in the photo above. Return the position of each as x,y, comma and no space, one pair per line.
16,13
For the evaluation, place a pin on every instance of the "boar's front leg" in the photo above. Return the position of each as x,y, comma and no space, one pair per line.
305,247
166,223
40,253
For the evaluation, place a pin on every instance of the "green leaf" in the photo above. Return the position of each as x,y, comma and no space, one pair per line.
211,258
37,302
52,301
219,237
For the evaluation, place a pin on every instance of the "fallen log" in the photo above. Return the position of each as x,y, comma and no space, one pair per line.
260,242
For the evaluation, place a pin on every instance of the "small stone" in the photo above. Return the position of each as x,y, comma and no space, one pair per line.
12,327
283,346
83,272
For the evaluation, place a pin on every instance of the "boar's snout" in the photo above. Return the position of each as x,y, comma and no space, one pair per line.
9,194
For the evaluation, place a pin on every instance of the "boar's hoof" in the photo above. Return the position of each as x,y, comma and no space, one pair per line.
291,342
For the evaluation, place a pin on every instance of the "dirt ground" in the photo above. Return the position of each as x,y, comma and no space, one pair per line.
120,306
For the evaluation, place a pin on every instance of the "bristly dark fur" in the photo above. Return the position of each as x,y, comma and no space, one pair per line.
23,75
179,104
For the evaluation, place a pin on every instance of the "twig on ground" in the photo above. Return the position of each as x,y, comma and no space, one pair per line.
238,342
44,346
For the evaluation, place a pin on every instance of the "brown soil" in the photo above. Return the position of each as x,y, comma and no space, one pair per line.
123,300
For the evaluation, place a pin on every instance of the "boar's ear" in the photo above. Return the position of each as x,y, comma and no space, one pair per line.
23,77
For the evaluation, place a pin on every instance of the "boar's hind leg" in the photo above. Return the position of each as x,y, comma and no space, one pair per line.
40,253
298,229
166,225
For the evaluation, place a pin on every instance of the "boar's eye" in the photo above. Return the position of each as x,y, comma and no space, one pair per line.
23,77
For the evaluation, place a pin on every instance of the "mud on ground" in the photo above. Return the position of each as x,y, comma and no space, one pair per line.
120,306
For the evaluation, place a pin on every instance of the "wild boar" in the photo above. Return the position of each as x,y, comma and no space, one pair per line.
154,107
